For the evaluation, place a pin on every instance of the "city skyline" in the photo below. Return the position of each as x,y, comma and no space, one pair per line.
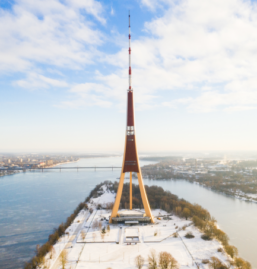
63,74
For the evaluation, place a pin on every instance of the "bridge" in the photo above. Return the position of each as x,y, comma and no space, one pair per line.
58,168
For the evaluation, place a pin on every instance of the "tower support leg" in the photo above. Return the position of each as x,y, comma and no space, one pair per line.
130,200
144,197
118,197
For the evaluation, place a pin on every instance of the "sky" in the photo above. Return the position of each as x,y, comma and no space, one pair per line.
64,75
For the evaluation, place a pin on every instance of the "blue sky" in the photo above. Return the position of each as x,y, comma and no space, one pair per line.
63,75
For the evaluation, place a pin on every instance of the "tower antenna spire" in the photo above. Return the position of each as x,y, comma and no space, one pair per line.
130,89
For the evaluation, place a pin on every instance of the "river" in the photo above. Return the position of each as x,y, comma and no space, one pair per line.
32,204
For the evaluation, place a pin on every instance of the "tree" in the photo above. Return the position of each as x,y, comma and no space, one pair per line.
166,261
46,265
102,236
152,260
139,261
220,235
83,235
178,210
52,252
186,213
242,264
167,207
94,236
216,263
95,224
63,258
231,251
173,263
100,225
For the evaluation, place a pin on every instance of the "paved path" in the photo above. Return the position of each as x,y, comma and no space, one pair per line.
74,236
86,234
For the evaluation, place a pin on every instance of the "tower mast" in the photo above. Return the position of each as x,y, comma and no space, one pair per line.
130,89
130,157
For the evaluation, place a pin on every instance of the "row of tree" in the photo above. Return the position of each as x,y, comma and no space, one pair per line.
41,251
226,181
163,261
158,198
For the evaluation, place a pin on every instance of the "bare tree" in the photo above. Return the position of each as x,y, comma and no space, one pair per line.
173,263
46,265
152,260
63,258
94,236
102,236
166,261
231,251
52,252
100,225
186,213
242,264
139,261
178,210
215,263
83,235
95,224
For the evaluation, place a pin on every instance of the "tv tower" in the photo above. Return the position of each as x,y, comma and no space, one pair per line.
130,157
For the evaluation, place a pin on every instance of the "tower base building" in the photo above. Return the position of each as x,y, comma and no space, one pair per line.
131,217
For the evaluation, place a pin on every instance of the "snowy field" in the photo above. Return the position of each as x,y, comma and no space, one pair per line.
110,250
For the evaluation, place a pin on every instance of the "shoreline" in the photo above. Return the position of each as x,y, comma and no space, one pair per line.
236,196
84,217
49,166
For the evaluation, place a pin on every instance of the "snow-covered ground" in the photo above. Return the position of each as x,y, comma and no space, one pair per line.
111,251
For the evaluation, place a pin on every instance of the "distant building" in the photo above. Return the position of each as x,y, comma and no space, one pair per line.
49,162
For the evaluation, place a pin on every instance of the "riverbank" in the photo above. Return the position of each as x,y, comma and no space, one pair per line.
49,166
33,204
165,234
228,183
238,194
8,172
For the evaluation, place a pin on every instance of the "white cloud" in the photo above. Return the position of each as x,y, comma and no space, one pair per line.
207,48
204,51
36,81
48,32
112,11
87,94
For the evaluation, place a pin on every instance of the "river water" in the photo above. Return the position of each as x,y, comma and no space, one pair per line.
32,204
